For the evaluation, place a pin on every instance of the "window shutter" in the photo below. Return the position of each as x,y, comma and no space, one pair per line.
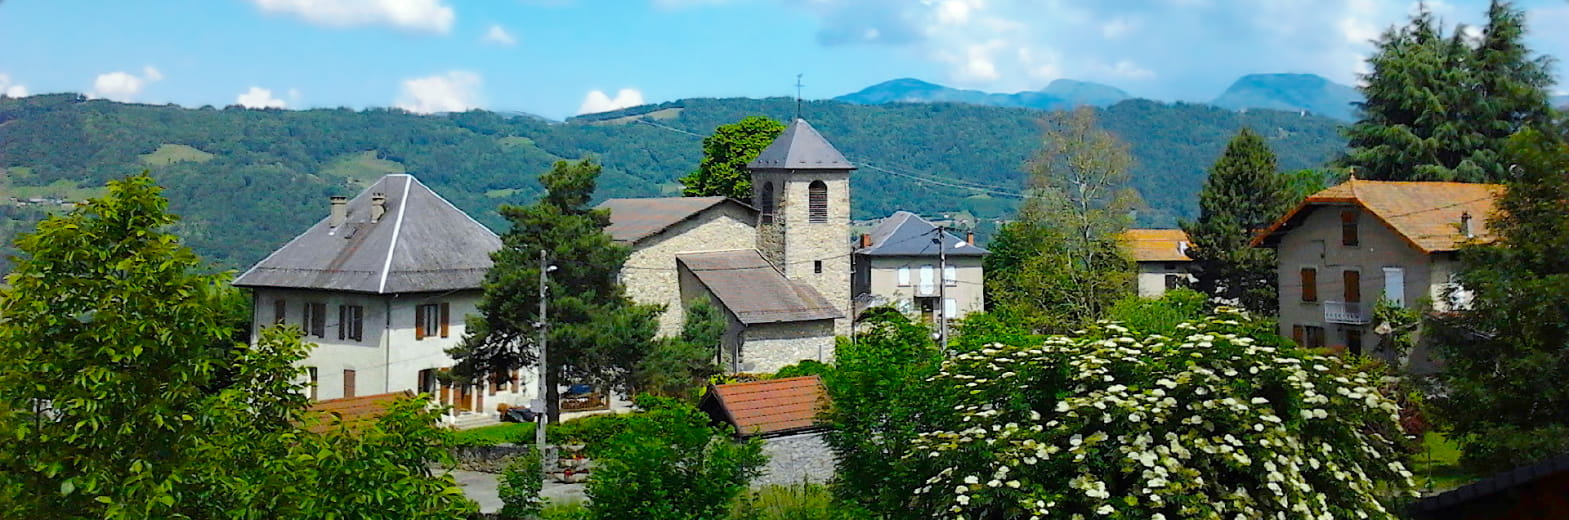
817,202
950,308
928,280
278,309
419,322
1309,285
1353,280
445,318
1348,228
343,322
1296,335
514,381
319,320
950,275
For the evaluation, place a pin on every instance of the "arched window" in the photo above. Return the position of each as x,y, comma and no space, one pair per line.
817,202
766,202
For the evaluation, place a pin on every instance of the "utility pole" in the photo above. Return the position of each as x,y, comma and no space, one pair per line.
544,366
942,287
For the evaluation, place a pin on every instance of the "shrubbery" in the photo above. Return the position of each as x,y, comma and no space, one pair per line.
667,463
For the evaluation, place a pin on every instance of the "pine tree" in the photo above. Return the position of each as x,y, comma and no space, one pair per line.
1504,362
725,154
1440,107
596,333
1242,195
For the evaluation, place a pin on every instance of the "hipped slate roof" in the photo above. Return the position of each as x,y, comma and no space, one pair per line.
754,291
1157,245
907,234
423,243
632,220
774,406
800,147
1425,214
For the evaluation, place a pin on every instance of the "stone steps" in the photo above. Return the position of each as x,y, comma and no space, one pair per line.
470,420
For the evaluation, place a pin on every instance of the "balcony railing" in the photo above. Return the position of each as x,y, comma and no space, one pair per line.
1349,313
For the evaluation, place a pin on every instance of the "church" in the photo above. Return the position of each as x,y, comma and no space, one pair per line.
779,267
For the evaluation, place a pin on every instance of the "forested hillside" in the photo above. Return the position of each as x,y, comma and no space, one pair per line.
248,180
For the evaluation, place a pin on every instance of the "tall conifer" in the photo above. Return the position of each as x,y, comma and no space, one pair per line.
1243,194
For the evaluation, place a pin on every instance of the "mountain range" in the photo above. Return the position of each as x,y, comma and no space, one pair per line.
1288,92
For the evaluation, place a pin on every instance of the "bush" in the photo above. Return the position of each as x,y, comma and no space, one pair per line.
803,501
565,511
591,431
1111,423
519,489
669,464
1159,315
807,367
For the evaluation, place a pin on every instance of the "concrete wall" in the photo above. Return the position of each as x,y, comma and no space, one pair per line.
806,242
650,274
1152,276
388,358
767,347
881,278
1317,243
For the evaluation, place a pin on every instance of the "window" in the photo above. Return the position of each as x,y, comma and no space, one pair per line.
817,266
950,308
351,322
314,382
348,383
279,307
314,319
1353,281
950,276
1173,281
430,320
1308,336
1348,228
498,379
928,279
904,276
817,202
427,381
1354,341
765,202
1395,285
1309,284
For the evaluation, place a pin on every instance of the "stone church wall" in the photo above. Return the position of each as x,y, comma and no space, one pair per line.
650,273
767,347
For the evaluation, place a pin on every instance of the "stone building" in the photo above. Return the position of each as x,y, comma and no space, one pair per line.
381,285
900,261
778,267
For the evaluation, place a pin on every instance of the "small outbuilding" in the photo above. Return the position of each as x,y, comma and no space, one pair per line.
786,414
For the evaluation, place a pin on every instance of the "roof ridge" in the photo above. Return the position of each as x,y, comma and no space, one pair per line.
397,229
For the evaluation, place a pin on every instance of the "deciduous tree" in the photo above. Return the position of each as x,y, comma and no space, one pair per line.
725,154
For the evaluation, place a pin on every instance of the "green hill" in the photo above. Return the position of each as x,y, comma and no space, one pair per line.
248,180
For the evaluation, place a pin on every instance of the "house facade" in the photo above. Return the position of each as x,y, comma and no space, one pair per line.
903,263
1346,247
381,286
1162,258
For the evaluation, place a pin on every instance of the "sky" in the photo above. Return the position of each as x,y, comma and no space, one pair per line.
559,58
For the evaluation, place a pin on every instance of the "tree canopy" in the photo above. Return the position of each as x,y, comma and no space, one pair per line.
726,152
1243,194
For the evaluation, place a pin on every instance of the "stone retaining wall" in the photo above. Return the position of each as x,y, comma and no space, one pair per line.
488,459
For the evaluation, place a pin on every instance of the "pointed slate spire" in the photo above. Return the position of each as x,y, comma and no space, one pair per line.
800,147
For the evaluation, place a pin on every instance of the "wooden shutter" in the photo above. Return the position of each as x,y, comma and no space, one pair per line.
348,383
514,381
1309,284
1296,335
419,322
1348,228
343,322
279,307
817,202
1353,281
445,318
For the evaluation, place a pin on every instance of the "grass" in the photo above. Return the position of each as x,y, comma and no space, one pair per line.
520,433
514,141
167,154
1437,467
362,168
61,189
803,501
501,194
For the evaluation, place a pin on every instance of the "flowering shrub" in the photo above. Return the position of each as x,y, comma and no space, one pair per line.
1212,424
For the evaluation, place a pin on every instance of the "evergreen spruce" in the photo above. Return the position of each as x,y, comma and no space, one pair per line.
1243,194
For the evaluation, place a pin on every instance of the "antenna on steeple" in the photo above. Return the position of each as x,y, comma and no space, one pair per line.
798,86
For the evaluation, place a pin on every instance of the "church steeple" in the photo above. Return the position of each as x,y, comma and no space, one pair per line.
800,148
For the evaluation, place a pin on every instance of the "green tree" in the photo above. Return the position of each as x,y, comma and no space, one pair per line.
880,396
1440,107
1060,263
596,333
1230,420
725,154
1504,361
669,464
1243,194
678,367
1159,315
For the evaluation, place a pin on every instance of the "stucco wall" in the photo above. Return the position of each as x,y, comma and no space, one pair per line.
1152,276
1316,243
650,274
968,292
767,347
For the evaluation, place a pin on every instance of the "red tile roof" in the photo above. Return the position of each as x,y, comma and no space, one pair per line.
1157,245
354,411
768,407
1425,214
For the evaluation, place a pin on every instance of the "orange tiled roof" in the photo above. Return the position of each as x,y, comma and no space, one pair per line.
771,406
1426,214
1157,245
353,410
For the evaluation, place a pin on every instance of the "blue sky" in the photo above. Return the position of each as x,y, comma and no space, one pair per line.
560,57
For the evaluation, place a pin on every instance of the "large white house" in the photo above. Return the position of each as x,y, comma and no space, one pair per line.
381,285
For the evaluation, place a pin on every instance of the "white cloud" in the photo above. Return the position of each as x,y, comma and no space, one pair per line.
123,86
258,97
455,91
499,36
10,89
431,16
1129,70
597,101
1116,28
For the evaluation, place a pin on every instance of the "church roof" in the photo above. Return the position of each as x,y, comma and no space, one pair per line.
800,147
632,220
423,243
907,234
754,291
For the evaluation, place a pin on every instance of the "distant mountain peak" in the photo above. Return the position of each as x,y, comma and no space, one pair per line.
1289,91
1060,94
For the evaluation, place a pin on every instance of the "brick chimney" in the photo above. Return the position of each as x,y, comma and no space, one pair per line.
340,210
969,237
378,207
